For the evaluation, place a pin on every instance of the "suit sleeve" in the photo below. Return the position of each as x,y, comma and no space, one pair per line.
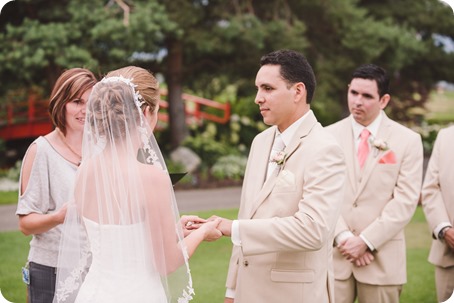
318,209
400,209
234,258
432,200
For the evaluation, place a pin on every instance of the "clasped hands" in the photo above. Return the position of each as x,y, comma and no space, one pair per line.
215,227
355,250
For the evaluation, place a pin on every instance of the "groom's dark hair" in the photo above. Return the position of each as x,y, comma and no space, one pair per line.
294,68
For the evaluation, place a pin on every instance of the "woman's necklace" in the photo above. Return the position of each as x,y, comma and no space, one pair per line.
63,138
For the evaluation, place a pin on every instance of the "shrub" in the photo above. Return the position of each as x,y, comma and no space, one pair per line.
229,167
14,172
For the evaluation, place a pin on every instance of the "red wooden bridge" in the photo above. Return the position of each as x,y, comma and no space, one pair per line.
30,119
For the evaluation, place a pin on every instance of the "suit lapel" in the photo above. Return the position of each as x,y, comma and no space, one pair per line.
351,159
259,164
304,129
374,155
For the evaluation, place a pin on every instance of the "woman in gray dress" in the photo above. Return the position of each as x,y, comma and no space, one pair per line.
47,177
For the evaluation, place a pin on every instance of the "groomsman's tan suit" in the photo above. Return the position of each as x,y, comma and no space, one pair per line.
438,204
286,252
379,200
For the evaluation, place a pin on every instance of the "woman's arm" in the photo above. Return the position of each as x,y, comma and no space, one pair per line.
35,223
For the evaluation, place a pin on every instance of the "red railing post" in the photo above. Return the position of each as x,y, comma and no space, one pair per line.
10,114
31,108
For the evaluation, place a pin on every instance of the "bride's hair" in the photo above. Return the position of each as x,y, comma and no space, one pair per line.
146,84
111,104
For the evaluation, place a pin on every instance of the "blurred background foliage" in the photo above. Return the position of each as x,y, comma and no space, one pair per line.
211,48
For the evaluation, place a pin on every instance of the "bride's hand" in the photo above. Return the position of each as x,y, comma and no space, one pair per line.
210,231
190,223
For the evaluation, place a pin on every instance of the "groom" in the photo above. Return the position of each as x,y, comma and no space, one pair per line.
291,195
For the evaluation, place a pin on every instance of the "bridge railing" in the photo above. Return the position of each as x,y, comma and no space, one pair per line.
30,118
197,109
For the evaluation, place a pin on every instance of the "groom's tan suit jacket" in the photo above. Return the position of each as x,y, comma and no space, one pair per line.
379,200
286,224
438,194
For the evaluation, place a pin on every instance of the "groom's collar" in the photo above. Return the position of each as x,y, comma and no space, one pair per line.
288,134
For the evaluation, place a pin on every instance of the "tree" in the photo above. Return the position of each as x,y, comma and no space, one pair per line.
398,35
432,24
41,38
220,43
207,46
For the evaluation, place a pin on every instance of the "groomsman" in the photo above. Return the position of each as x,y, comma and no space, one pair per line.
438,205
291,195
384,175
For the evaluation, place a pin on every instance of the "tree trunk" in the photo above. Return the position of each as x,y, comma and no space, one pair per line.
177,115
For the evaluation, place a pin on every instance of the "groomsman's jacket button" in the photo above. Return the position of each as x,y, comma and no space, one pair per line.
246,263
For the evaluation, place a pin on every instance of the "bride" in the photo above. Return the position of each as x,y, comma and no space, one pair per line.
123,224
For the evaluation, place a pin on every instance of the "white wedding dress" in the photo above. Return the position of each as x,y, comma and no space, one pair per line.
134,280
122,222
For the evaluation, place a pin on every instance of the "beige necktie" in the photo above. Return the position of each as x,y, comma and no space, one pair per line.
278,145
363,148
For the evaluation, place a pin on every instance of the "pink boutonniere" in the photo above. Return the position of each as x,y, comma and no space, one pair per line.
279,158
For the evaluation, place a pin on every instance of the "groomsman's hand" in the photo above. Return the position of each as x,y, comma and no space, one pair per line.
365,259
449,237
228,300
352,248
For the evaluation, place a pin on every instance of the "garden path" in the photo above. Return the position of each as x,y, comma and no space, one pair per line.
188,201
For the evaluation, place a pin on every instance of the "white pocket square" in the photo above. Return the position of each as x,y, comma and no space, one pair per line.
285,178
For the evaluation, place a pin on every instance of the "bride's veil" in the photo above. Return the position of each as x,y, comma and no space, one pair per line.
122,223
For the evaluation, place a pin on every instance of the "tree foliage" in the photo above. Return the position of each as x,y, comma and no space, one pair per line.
49,36
212,47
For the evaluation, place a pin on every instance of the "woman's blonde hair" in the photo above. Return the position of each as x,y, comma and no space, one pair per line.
147,84
112,108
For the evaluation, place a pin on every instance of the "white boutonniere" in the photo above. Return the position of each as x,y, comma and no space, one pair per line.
379,145
279,158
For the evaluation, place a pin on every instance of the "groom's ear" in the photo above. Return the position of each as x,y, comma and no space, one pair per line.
300,92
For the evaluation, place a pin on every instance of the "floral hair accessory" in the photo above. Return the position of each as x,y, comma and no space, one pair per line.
137,95
279,158
144,136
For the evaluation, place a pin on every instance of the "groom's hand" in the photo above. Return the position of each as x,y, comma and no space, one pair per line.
225,226
211,231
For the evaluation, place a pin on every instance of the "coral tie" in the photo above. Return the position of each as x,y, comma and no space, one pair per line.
363,148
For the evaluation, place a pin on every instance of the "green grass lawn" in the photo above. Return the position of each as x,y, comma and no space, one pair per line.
440,107
8,197
209,264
